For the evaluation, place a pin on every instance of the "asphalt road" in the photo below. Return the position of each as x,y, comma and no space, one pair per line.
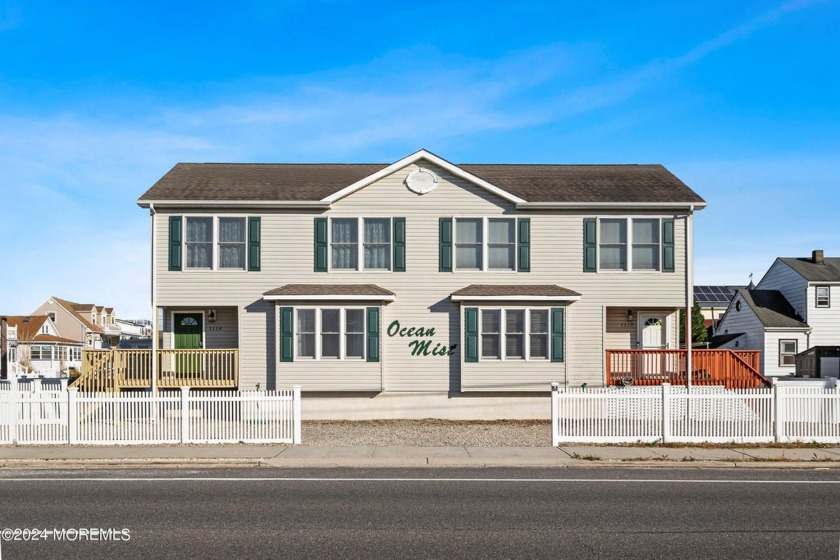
423,513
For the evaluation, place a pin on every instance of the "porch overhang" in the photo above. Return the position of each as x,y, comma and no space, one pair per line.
329,292
512,293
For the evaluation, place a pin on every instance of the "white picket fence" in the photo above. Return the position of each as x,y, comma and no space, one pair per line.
185,416
783,413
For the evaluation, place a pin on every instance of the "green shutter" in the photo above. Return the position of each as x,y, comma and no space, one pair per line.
287,334
668,245
373,334
399,244
590,244
445,239
320,244
557,334
254,244
471,334
523,263
175,243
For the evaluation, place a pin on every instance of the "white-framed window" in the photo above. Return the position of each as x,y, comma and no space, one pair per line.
232,243
485,243
629,244
216,242
787,352
330,333
374,244
199,242
514,334
40,352
823,296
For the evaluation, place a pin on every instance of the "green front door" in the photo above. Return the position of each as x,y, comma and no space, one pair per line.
189,330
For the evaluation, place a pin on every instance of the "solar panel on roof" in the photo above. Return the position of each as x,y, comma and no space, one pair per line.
701,297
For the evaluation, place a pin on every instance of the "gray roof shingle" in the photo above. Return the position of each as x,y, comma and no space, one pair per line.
537,291
313,182
316,290
827,271
772,309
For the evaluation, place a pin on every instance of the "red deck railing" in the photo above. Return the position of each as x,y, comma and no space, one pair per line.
734,369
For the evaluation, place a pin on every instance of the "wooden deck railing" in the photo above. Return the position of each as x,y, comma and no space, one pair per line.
733,369
112,370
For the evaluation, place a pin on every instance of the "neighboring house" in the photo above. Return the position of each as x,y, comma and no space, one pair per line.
422,279
35,343
95,326
713,301
795,306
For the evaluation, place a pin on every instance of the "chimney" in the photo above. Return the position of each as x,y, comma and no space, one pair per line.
817,256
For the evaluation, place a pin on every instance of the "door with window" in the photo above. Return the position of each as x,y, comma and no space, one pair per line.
652,337
189,331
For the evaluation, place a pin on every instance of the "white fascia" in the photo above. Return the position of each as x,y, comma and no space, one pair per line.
437,160
305,204
610,205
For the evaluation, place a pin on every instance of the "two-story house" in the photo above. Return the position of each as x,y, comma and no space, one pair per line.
794,307
417,282
93,325
36,346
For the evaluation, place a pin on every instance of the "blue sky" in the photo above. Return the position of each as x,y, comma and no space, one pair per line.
99,99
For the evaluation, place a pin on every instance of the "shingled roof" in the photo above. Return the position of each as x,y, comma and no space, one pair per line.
190,182
329,291
519,291
826,271
772,309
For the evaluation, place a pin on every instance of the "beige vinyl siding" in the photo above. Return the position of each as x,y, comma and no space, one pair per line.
422,292
792,285
223,334
65,322
824,321
511,375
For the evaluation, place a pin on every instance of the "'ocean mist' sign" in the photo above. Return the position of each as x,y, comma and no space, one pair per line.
422,343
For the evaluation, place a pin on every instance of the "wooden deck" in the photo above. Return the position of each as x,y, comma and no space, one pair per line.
113,370
733,369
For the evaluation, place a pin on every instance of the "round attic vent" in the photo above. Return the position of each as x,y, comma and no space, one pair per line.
421,181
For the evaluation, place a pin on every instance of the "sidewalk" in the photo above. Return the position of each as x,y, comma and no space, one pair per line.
395,457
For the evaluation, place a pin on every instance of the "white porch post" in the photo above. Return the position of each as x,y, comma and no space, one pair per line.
155,333
689,291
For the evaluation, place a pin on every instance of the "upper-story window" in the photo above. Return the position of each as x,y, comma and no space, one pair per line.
199,240
374,244
823,298
477,250
629,244
226,234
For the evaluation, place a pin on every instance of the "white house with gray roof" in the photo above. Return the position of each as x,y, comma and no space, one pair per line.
794,307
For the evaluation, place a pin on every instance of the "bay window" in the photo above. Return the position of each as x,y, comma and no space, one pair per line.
514,334
330,333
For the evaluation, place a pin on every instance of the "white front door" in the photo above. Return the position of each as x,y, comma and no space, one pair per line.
653,331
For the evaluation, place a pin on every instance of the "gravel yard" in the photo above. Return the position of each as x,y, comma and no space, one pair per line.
428,433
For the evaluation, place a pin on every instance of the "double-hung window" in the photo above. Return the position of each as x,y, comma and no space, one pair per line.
330,333
629,244
232,243
514,334
485,243
823,296
199,240
374,243
787,352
